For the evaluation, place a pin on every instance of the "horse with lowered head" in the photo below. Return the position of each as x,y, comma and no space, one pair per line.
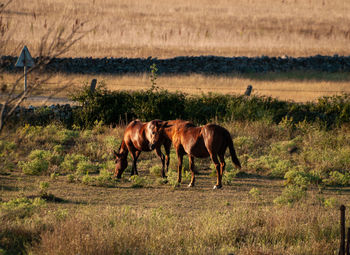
210,140
138,137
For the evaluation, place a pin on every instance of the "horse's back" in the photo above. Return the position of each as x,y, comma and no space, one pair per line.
215,138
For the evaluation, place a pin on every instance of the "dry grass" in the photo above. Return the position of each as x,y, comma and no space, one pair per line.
298,87
160,219
166,28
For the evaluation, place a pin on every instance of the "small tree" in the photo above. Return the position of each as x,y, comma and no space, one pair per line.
55,42
154,76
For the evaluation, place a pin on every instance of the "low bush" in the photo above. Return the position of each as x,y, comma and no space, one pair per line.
111,107
39,161
173,175
139,182
20,208
290,195
156,170
70,162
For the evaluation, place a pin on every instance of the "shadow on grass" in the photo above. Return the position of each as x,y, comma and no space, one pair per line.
54,199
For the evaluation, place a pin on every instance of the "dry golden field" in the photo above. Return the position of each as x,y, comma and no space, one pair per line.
304,88
164,29
167,28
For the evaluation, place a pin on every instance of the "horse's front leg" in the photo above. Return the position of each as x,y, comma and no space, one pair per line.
191,161
162,158
167,147
135,155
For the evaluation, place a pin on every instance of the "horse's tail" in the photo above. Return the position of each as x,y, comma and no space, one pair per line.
234,158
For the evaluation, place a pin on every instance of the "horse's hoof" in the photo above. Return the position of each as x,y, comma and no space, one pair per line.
190,185
217,187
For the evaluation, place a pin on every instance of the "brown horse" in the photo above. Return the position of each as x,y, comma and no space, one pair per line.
140,136
201,142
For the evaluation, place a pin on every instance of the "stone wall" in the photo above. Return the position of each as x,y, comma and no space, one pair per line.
187,65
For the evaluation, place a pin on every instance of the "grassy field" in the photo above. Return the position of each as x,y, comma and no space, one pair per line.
166,28
58,197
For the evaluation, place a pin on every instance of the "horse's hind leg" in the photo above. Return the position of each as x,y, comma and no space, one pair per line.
222,164
191,161
162,158
179,167
214,158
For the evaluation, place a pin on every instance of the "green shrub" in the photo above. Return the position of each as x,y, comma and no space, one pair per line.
138,181
71,178
302,178
331,202
111,143
34,167
229,176
172,177
244,144
111,107
255,194
7,147
39,161
336,178
70,162
105,179
272,165
87,179
20,208
43,187
108,165
290,195
156,170
86,167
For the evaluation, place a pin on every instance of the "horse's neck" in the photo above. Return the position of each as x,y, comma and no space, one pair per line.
169,132
123,149
143,136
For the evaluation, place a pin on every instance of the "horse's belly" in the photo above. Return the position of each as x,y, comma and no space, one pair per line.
200,154
198,149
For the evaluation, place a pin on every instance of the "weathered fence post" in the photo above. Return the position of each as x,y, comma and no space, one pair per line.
249,90
348,243
342,230
93,85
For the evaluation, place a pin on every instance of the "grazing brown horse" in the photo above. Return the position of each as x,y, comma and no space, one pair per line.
201,142
140,136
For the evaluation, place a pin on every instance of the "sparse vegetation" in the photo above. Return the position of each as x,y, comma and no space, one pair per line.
251,210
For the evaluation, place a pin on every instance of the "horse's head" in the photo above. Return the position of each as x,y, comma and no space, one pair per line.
121,164
154,132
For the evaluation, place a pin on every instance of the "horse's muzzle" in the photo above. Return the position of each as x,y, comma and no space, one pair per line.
152,146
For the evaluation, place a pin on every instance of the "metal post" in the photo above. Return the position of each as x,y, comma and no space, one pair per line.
25,78
342,230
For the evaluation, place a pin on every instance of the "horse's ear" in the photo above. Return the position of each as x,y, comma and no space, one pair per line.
158,124
165,125
115,153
